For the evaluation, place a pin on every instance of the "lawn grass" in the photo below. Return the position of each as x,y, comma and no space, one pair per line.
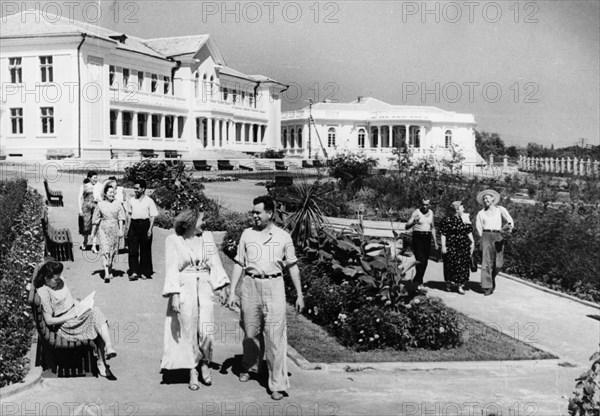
480,343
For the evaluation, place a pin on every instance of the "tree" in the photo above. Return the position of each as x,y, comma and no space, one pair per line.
511,151
489,143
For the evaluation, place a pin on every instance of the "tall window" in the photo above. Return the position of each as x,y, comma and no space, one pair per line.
300,137
114,115
251,99
284,138
180,126
154,85
125,77
46,69
234,96
156,125
127,123
448,141
142,122
16,120
16,72
361,138
169,121
196,84
225,93
243,100
47,118
292,137
331,137
167,85
140,80
111,75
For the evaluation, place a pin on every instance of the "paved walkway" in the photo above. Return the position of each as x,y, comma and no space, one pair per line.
136,314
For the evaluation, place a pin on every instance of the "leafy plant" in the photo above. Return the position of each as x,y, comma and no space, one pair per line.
273,154
351,169
586,397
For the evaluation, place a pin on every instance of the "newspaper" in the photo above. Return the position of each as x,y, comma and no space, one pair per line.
85,305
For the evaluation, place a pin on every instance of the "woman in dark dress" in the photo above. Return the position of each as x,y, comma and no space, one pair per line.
457,247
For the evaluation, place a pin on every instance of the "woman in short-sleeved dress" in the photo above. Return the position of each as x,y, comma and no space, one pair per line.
56,301
87,210
193,272
457,246
108,225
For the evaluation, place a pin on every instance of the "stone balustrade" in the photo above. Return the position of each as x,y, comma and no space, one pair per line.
574,166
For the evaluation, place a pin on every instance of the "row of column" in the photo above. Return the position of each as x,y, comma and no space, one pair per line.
144,125
576,166
387,132
215,133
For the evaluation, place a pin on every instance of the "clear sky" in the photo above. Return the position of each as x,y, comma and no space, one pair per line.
528,70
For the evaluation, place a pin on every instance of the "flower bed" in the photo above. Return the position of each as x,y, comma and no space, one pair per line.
11,199
16,270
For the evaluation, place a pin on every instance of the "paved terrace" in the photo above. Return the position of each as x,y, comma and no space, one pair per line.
136,314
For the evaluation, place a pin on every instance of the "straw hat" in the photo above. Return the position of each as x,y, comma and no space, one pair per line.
491,192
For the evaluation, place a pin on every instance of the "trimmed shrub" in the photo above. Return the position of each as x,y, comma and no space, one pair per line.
12,194
16,270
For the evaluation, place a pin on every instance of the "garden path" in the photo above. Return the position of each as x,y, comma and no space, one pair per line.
136,313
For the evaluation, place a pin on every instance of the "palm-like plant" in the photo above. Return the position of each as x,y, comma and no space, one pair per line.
308,218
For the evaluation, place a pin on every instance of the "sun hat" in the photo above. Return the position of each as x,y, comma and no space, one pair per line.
491,192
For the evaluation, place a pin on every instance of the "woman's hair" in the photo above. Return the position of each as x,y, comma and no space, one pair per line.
109,184
186,219
455,205
48,270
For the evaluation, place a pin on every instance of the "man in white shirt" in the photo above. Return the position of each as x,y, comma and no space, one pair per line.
142,212
423,232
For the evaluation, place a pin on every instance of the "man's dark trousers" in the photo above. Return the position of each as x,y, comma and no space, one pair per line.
140,248
421,241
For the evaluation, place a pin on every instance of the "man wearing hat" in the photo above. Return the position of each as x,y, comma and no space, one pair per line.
491,222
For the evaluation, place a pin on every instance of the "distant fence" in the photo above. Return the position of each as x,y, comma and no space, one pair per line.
574,166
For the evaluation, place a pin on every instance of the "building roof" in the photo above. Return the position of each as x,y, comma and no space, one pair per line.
178,45
35,24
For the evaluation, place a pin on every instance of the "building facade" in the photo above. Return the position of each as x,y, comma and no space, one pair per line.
74,88
376,128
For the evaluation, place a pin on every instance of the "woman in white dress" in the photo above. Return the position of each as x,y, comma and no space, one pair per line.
193,273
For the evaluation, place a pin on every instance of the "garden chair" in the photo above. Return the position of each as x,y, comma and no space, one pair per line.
280,165
201,165
224,165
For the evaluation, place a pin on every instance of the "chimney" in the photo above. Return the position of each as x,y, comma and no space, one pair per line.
360,98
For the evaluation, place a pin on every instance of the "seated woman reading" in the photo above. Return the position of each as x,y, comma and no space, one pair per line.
59,309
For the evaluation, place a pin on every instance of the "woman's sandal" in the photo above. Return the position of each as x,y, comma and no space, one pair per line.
194,384
110,354
206,375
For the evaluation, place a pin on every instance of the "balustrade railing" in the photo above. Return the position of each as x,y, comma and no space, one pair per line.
575,166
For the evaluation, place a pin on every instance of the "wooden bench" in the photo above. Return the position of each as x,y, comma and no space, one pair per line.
280,165
435,255
201,165
62,357
305,164
55,198
224,165
244,167
59,243
148,153
262,166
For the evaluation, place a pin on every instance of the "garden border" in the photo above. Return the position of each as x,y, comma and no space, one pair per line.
33,377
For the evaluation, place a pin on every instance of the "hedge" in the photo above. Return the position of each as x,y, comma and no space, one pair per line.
16,270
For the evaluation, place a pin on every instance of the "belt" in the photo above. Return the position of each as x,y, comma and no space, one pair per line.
491,231
264,276
140,219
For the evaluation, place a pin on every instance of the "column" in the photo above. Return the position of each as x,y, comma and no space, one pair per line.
243,130
223,140
408,143
209,132
581,167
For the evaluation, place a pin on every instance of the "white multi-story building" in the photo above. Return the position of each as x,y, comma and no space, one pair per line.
75,88
376,128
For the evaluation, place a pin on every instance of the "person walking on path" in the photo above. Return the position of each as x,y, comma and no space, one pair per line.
142,212
108,226
193,273
491,222
61,312
86,212
97,196
421,221
264,251
457,247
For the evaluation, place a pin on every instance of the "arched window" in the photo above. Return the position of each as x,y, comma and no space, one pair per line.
196,84
331,137
361,138
448,141
292,137
284,138
299,136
